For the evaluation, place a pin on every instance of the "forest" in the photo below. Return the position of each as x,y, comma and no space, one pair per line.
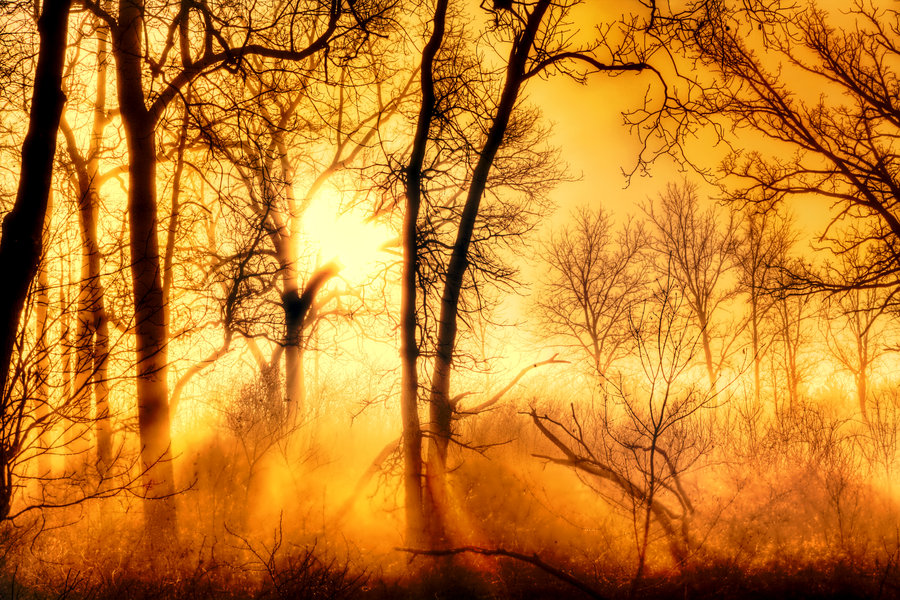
511,299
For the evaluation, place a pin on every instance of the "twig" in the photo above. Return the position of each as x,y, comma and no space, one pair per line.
532,559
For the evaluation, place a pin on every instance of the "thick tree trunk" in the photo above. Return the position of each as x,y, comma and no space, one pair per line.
293,320
21,241
409,345
151,335
440,407
296,307
409,378
294,313
294,383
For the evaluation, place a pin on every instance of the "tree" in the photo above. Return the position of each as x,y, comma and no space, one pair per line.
409,344
792,313
282,137
854,328
822,100
593,282
205,42
21,241
265,127
765,236
539,45
92,325
20,245
648,431
698,249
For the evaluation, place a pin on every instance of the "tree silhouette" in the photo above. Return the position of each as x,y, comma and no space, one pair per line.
21,241
595,278
698,247
763,70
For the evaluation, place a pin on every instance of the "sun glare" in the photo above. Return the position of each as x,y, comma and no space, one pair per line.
345,236
404,309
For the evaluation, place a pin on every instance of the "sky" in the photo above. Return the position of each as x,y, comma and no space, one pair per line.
597,146
587,127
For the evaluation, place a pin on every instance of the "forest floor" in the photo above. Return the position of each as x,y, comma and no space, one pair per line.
307,577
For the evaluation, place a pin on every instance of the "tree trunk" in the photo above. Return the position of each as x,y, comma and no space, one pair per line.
409,345
644,541
862,378
757,359
172,229
293,320
102,424
151,335
294,314
100,353
861,331
707,350
85,324
862,392
409,378
441,410
65,346
791,350
42,390
21,241
296,307
90,296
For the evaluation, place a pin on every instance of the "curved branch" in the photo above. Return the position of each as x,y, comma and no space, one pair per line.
593,62
532,559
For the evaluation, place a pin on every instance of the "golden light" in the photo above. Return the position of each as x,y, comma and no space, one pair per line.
344,234
667,388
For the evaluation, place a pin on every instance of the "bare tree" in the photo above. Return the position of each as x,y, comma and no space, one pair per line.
644,436
854,326
594,279
764,238
540,44
792,336
466,167
409,344
204,42
21,242
20,245
697,244
92,325
831,137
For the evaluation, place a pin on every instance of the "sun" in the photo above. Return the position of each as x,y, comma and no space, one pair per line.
345,235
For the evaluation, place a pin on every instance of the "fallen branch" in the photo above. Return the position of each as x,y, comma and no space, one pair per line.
532,559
